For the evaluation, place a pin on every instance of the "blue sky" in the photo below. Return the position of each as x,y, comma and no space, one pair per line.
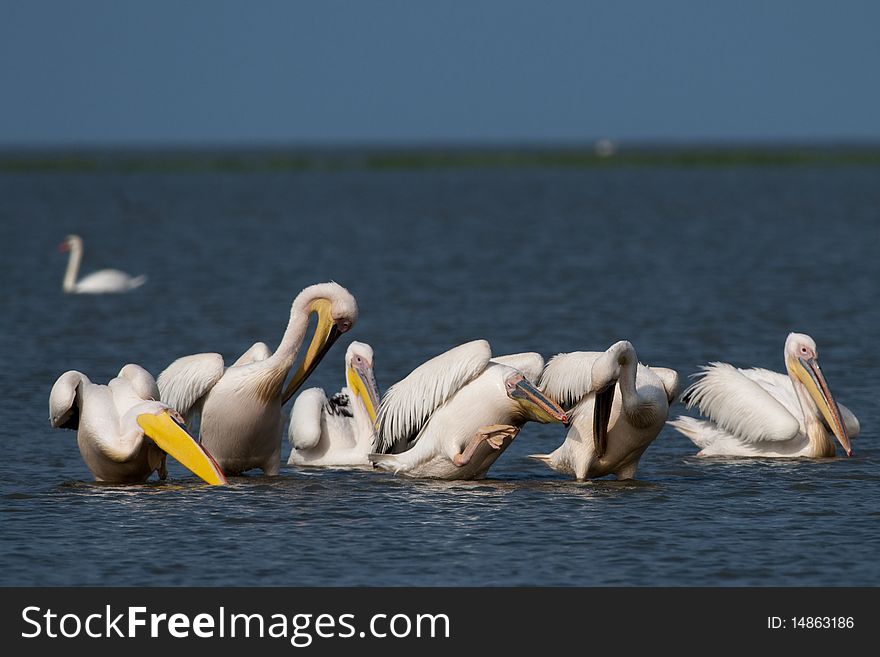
103,72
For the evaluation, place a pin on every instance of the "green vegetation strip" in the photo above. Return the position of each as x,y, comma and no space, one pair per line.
420,159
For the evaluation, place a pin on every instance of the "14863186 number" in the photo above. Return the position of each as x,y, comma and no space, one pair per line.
822,622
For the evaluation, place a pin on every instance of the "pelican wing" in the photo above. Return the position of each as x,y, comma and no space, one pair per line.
745,403
529,363
258,351
142,382
850,421
187,380
568,377
779,385
669,379
409,403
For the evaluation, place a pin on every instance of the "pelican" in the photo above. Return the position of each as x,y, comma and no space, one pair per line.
455,414
757,412
122,432
99,282
338,431
240,406
608,433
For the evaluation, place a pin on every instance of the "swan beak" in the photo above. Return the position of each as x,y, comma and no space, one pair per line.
811,376
538,407
327,331
601,416
362,381
64,246
172,439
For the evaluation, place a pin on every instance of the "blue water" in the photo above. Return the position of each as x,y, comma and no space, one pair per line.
689,264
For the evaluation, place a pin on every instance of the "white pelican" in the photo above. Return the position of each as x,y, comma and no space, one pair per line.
340,430
111,423
757,412
240,406
608,433
99,282
455,414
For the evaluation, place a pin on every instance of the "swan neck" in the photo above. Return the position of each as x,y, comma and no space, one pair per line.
72,266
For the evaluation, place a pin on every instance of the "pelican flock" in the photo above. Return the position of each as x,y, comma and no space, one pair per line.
338,431
617,407
450,418
99,282
756,412
454,415
240,405
123,432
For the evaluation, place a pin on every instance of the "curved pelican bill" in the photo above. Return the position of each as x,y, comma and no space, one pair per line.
326,333
808,372
172,439
601,416
362,381
538,407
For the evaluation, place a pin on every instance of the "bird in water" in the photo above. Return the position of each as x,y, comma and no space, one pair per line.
617,408
105,281
339,431
756,412
454,415
240,406
123,432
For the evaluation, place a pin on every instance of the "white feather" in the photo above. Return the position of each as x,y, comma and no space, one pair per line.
304,430
669,379
529,363
779,385
183,383
706,435
141,381
409,403
568,377
258,351
850,421
740,403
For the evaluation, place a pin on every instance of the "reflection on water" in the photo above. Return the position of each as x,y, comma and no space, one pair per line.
691,265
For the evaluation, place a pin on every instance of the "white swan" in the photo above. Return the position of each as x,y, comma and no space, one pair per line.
756,412
338,431
99,282
123,433
608,432
452,417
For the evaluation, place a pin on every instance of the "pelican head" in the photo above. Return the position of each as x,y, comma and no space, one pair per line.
604,376
532,402
63,410
359,376
802,362
336,310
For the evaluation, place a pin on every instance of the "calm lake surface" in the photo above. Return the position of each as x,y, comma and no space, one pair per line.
691,264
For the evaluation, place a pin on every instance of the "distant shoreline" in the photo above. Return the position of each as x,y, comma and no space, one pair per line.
603,154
